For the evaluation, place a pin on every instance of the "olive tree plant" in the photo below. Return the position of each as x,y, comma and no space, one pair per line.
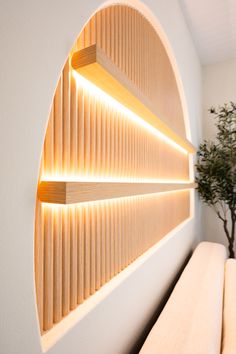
216,170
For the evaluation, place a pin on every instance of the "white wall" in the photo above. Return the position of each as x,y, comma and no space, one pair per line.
219,87
36,37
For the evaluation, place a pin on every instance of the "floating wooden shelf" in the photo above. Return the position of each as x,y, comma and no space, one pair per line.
77,192
93,64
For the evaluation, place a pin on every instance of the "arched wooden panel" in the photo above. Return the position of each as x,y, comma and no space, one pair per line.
80,247
134,46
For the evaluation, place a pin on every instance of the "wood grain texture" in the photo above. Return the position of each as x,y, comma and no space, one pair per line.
78,192
140,54
95,130
80,247
101,71
39,262
65,262
48,311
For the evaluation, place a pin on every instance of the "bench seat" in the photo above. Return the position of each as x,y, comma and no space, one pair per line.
191,321
229,315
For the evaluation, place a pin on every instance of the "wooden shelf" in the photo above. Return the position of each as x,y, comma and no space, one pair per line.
93,64
77,192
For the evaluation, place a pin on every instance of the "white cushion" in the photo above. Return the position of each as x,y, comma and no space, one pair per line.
229,313
191,321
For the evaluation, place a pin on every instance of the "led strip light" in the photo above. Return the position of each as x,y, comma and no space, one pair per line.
95,72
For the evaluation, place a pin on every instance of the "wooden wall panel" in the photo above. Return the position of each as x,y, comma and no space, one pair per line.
97,149
133,45
79,248
104,238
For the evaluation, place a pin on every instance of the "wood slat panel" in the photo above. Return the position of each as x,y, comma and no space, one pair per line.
93,64
48,313
73,258
148,150
65,262
57,267
87,252
80,247
132,35
39,262
80,262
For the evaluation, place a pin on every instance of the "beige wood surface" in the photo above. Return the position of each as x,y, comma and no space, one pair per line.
57,218
79,247
136,49
93,64
48,311
57,267
77,192
87,252
39,262
65,263
80,251
73,259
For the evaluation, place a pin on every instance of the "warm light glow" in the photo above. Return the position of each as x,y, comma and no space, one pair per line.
113,179
103,96
112,200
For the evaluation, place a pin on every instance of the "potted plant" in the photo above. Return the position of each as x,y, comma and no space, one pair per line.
216,170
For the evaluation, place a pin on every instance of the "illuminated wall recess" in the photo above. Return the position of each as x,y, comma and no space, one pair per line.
93,64
114,175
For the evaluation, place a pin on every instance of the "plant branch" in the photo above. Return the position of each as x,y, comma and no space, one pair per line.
233,218
219,215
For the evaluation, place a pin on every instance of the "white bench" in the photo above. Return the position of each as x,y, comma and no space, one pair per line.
191,321
229,312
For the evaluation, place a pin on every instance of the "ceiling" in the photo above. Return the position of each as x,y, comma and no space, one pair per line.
212,24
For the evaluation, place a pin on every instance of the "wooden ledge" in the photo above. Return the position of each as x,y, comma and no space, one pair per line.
77,192
93,64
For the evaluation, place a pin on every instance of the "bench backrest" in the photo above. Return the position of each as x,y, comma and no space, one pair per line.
191,321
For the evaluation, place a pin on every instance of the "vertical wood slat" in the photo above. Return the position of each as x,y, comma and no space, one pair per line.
65,262
87,143
66,117
47,227
48,270
80,261
107,241
73,257
81,129
57,267
93,128
92,250
98,155
108,141
87,252
39,263
112,239
73,125
98,248
56,217
103,244
79,248
115,239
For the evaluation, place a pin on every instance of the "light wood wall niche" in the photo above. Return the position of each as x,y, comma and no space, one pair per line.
96,150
